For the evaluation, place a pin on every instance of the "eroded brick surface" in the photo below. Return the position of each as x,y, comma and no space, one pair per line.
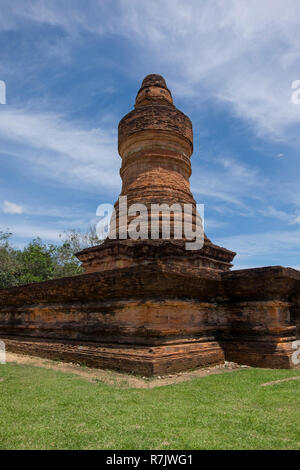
149,306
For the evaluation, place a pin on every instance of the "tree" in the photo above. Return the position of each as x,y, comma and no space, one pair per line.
77,240
39,261
73,241
9,262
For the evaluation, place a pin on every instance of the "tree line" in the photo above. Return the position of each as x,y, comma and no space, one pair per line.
39,261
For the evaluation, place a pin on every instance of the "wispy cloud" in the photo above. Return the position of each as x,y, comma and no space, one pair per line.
261,244
244,53
288,218
60,149
60,214
28,231
12,208
228,181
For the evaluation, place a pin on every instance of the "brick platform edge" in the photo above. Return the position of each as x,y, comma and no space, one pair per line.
156,319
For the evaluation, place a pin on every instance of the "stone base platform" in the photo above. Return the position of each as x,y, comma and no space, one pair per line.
141,360
156,319
116,254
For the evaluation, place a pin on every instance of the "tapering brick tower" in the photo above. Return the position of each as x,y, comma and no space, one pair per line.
155,144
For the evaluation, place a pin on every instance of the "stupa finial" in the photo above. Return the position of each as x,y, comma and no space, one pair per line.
153,90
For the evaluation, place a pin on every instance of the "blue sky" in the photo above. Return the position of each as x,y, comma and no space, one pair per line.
72,70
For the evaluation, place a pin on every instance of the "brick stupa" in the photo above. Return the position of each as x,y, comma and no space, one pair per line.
150,306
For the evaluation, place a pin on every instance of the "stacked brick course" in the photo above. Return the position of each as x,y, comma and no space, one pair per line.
150,306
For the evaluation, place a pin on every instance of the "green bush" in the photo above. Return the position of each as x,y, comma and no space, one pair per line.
39,261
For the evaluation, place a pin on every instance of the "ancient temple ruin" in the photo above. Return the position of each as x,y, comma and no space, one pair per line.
150,306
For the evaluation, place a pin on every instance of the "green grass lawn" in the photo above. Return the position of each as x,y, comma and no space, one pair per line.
46,409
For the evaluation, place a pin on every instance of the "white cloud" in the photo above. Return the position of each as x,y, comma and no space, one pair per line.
244,53
12,208
236,51
211,224
263,244
30,231
228,181
288,218
71,214
62,150
296,220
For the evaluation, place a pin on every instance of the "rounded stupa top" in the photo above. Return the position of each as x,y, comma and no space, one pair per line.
154,80
156,118
153,90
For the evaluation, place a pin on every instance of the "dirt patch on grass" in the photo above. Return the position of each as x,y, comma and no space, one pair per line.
274,382
118,379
